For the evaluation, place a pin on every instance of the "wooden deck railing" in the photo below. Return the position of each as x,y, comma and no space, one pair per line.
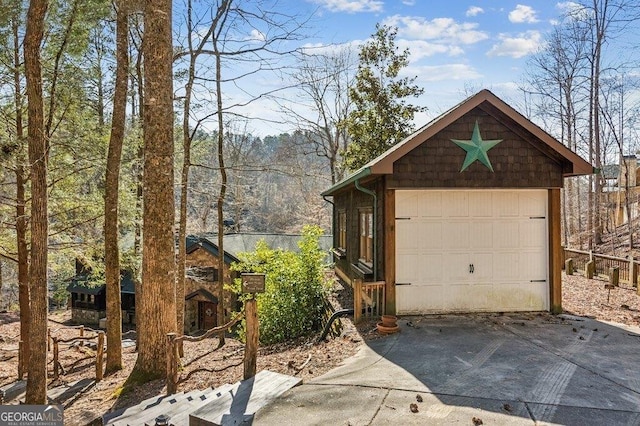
604,263
368,299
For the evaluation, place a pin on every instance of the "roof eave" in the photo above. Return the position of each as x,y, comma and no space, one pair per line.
363,172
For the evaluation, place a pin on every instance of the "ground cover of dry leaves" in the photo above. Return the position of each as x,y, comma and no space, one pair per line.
204,367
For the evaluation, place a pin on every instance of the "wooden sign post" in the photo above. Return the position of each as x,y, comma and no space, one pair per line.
251,283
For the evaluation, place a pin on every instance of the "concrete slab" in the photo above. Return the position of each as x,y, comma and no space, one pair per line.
542,368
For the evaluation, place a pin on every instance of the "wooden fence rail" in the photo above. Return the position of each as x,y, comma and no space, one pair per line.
173,356
99,353
628,267
368,299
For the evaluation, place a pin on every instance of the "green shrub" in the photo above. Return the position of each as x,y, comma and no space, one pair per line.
295,288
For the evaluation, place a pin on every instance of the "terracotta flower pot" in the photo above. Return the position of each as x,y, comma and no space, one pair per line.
389,320
383,329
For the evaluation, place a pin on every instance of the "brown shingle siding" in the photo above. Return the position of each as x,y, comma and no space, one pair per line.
436,163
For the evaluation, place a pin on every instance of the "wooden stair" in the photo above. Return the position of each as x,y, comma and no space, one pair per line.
228,404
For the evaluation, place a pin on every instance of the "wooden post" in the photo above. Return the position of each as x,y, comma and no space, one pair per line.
252,337
82,335
614,276
20,360
555,250
172,364
633,271
56,363
99,356
48,339
357,300
389,252
568,266
590,269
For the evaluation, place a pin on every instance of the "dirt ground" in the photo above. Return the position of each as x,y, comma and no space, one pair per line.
204,367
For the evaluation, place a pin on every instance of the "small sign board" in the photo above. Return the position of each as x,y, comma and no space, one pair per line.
609,286
252,283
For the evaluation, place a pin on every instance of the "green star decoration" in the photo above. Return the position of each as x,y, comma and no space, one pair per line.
476,149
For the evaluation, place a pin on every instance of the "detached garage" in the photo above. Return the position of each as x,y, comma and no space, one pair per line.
461,216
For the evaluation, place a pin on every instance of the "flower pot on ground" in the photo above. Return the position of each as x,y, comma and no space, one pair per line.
389,320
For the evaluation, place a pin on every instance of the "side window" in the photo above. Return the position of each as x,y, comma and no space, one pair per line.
366,236
342,230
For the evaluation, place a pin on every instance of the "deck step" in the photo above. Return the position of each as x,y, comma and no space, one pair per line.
239,407
179,415
210,406
172,405
111,418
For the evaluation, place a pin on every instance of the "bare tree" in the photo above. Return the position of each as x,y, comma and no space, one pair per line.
323,82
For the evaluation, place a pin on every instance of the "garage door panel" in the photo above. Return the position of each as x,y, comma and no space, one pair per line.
504,235
516,296
457,235
408,268
506,266
481,235
480,204
455,204
532,203
430,204
407,203
506,204
456,267
482,267
431,269
532,234
405,232
499,232
430,235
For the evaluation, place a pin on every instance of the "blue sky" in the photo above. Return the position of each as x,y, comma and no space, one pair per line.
457,46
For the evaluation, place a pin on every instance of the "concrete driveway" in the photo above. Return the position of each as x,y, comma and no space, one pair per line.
498,369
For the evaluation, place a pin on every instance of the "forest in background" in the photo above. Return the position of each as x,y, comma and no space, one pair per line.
574,88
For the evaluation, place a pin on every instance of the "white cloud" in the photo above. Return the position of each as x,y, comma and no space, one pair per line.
332,49
517,47
443,72
256,36
573,10
523,14
409,2
474,11
351,6
440,30
420,49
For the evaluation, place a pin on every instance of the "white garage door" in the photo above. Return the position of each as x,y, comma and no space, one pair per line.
475,250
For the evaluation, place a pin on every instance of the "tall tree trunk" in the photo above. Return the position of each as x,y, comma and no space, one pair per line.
112,182
21,217
36,392
181,264
157,307
223,178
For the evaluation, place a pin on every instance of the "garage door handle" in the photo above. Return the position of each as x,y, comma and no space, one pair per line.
537,281
403,283
403,218
471,268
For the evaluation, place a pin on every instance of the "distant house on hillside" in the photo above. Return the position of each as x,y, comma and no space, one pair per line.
201,293
88,303
621,187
